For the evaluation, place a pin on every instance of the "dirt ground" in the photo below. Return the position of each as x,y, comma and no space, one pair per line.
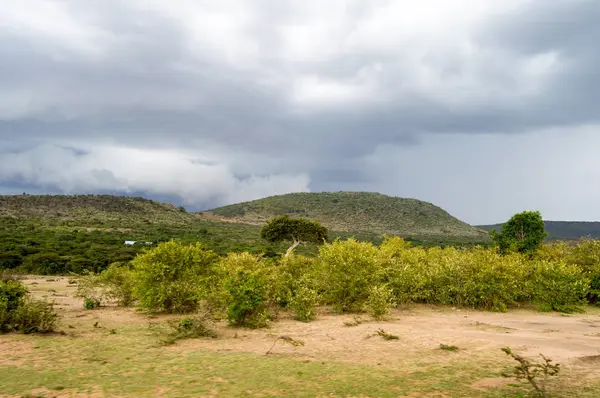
572,340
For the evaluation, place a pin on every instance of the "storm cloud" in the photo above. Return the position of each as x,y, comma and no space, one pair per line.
482,107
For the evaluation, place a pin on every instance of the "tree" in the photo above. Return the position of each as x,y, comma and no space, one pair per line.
523,233
297,230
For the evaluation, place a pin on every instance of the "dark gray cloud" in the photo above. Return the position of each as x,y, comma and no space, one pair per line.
219,102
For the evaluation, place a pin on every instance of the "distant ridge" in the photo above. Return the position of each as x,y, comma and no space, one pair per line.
355,211
570,230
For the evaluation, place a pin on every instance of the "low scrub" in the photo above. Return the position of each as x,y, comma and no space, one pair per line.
171,276
249,286
189,327
23,314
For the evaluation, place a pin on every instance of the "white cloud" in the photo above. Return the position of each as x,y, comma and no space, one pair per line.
132,170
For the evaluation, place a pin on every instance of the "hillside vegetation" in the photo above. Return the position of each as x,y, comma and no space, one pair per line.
357,211
563,230
92,210
48,234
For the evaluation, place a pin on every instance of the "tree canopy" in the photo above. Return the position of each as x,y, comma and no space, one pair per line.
296,230
523,233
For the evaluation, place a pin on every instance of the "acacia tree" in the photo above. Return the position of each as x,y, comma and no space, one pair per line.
296,230
523,233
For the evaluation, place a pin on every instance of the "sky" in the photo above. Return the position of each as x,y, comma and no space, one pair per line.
482,107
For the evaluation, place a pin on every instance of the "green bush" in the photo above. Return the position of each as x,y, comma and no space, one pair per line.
586,255
119,282
20,313
90,289
558,286
249,286
297,286
90,303
12,292
379,302
174,277
346,271
304,303
34,316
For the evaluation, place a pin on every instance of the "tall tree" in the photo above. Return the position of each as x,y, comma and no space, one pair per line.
523,233
296,230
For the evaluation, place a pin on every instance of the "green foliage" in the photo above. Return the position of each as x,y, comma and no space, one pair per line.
379,301
91,303
523,233
90,289
119,282
535,374
297,230
249,287
20,313
304,303
297,288
34,316
447,347
73,234
558,286
346,271
193,327
360,211
173,277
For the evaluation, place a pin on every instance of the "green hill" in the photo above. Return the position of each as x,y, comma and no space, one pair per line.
564,230
70,233
356,211
92,210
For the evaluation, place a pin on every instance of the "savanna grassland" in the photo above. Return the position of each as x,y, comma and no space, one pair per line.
115,351
338,317
356,320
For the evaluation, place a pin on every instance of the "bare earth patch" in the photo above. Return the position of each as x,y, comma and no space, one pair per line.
479,335
571,340
11,351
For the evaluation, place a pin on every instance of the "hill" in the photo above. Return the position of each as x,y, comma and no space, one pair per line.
355,211
92,209
566,230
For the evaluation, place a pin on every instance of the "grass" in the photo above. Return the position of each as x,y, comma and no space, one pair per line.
129,364
114,352
447,347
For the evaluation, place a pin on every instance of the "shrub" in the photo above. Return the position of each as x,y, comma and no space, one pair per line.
558,286
90,303
297,287
119,281
478,277
90,289
379,302
20,313
173,277
536,374
12,293
304,303
186,328
586,255
346,271
34,316
249,288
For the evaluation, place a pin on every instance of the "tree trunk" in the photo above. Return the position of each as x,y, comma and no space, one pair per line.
292,247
